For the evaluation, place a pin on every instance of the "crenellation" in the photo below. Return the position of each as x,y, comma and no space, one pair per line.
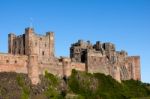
29,30
108,46
33,54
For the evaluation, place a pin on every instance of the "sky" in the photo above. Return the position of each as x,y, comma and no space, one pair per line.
126,23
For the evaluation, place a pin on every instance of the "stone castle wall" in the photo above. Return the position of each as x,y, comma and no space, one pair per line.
13,63
134,63
32,43
33,54
103,58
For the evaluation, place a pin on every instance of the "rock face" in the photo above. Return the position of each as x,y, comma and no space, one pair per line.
33,54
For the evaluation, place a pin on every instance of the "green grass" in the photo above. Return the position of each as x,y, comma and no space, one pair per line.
25,92
80,85
100,86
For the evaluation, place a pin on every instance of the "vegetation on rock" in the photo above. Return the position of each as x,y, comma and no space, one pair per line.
100,86
80,85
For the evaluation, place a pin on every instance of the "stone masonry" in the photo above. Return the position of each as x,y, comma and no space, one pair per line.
33,54
103,58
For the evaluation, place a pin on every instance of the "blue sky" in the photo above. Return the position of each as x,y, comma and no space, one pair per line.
123,22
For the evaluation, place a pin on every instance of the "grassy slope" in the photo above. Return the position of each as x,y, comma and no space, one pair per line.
80,85
18,86
99,86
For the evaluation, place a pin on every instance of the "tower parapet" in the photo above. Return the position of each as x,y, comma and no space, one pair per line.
33,54
29,30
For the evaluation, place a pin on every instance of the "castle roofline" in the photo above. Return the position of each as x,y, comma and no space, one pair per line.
29,28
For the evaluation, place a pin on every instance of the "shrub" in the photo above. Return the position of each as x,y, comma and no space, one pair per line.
105,87
25,93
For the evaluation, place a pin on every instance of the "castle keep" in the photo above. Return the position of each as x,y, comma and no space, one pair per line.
33,54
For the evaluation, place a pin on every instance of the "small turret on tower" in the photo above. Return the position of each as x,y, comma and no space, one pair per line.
29,30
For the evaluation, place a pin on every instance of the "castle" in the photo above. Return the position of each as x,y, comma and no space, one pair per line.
33,54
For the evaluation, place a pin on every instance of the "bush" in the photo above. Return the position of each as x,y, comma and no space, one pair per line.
53,82
100,86
133,88
25,93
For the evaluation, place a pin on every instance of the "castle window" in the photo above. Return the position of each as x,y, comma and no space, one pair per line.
15,62
66,62
40,38
45,45
9,50
19,44
15,44
7,61
115,68
19,51
94,59
43,53
35,43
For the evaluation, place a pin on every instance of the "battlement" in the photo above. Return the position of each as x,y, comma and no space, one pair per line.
32,43
109,46
79,50
29,30
11,35
103,57
33,54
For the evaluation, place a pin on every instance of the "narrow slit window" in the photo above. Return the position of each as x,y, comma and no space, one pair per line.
43,53
7,61
15,61
35,43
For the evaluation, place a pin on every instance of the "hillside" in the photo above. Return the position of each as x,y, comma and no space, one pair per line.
18,86
99,86
80,85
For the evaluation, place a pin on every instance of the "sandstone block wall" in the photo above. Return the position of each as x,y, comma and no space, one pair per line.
42,45
33,54
103,58
13,63
55,67
33,69
78,66
134,62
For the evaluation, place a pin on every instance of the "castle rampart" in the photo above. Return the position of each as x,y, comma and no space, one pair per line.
13,63
103,58
33,54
